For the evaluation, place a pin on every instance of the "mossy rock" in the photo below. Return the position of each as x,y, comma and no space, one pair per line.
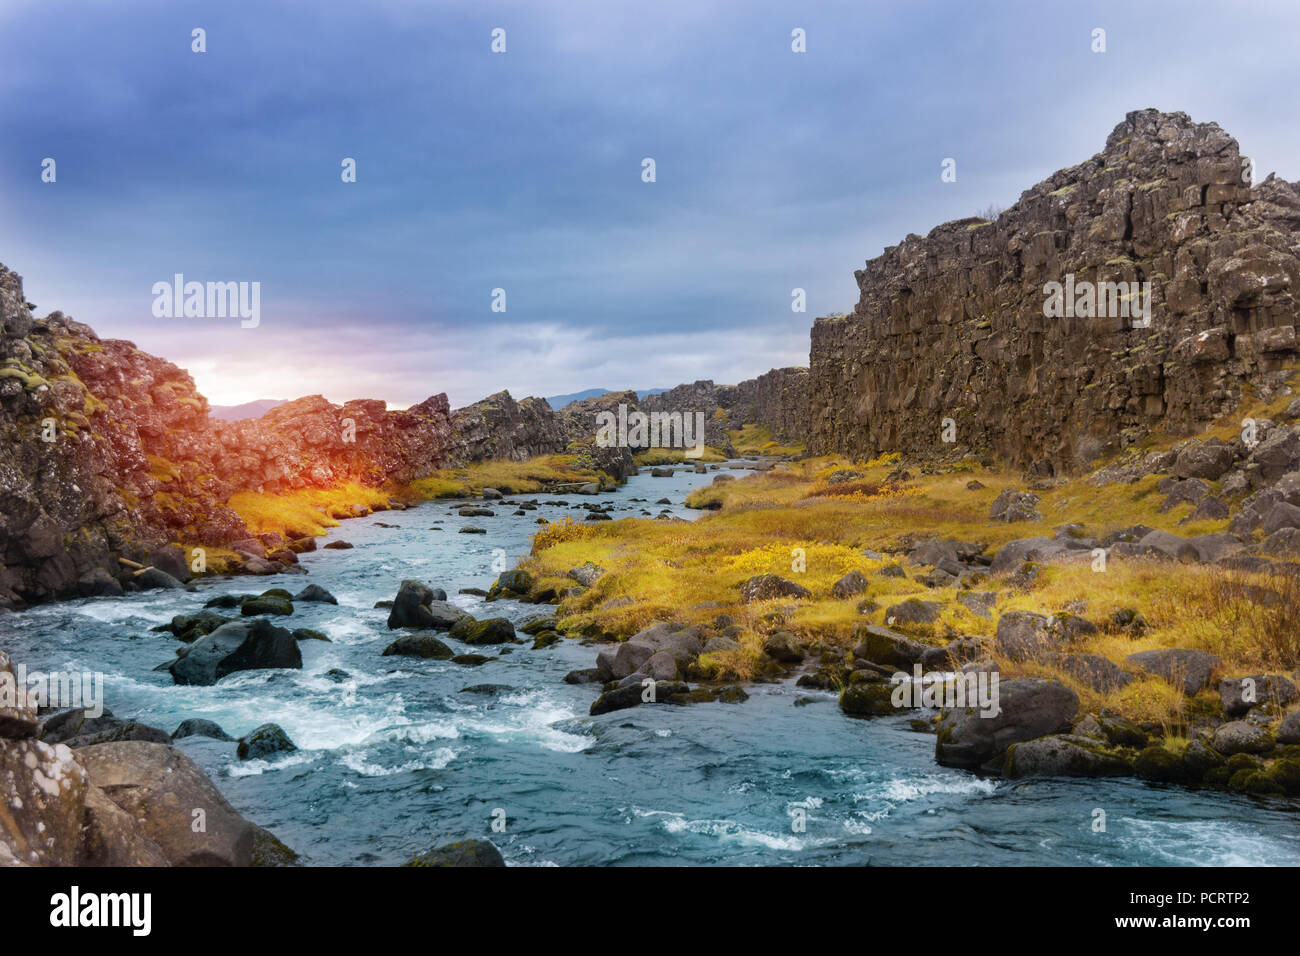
510,583
1201,761
537,624
1161,765
1121,731
266,605
1240,762
493,630
1255,782
278,592
269,851
545,639
1286,774
1217,777
868,699
464,853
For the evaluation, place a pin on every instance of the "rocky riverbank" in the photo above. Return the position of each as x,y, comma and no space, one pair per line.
1139,621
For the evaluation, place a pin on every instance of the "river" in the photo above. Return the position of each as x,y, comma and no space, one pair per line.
395,758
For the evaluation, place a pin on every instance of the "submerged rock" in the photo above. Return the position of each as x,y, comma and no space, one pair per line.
464,853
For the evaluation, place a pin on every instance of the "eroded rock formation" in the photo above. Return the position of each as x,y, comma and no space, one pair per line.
952,325
109,452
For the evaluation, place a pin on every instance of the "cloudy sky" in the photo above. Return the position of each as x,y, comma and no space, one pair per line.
522,170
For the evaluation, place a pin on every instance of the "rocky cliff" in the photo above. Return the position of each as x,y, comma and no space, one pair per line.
777,399
953,324
109,452
500,427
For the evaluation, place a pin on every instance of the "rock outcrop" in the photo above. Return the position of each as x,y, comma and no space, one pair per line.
777,399
121,802
953,324
109,452
500,427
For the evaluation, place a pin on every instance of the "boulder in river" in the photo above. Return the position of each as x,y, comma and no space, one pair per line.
419,645
198,727
494,630
464,853
1030,707
264,741
1065,755
510,584
414,606
636,693
315,593
266,604
161,787
237,646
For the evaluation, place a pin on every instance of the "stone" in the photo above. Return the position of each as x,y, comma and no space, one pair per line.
851,585
1240,694
315,593
464,853
766,587
1098,672
1063,755
1023,635
913,611
264,741
1241,737
880,645
1013,505
493,630
198,727
1189,670
419,645
1030,708
160,787
237,646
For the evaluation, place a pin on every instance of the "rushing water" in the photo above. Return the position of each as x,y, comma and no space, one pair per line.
395,758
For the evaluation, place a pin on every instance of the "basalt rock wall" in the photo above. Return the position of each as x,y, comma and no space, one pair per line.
778,399
952,325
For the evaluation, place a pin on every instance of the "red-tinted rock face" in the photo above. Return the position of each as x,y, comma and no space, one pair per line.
952,325
109,452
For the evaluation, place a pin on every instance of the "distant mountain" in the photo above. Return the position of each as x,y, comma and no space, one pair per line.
233,413
559,401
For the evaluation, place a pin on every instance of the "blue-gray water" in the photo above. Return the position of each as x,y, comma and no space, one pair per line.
396,759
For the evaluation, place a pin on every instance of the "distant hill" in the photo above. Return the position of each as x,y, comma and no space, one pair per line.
233,413
559,401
